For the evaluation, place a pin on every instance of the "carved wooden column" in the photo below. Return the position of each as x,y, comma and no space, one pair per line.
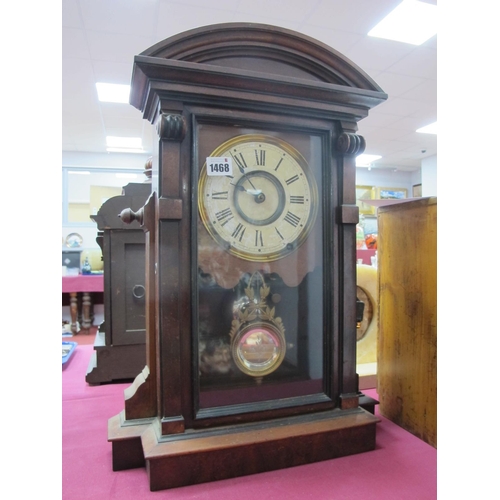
348,145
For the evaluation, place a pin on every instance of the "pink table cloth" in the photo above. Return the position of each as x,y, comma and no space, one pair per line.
83,283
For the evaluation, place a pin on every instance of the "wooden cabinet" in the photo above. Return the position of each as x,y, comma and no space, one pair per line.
120,352
407,316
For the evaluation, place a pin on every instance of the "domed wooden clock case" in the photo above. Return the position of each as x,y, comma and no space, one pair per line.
250,257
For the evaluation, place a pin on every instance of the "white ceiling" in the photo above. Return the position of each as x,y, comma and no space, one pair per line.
101,38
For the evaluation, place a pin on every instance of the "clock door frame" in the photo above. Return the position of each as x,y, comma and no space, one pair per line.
260,121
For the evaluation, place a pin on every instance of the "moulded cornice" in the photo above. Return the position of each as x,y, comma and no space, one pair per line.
254,59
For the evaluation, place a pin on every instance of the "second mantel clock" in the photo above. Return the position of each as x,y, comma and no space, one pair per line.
250,261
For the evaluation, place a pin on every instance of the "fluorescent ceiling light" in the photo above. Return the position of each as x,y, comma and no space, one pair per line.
126,176
124,150
366,160
410,22
429,129
112,92
124,144
78,172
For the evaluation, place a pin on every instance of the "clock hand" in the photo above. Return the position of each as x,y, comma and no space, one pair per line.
251,184
240,167
254,192
257,194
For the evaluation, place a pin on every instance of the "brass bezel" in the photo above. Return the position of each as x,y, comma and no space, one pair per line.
267,368
297,156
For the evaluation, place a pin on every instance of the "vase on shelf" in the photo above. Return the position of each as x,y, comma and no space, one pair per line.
86,267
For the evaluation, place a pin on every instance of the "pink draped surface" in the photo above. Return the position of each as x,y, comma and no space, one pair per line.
83,283
401,467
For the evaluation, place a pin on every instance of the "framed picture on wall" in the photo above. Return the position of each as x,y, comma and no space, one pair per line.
388,193
365,193
370,225
416,191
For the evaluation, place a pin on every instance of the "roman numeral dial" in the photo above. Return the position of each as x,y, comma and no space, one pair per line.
266,209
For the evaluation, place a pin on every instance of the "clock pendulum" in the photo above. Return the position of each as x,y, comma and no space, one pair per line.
257,336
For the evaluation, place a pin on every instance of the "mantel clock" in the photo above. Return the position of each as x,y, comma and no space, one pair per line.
250,257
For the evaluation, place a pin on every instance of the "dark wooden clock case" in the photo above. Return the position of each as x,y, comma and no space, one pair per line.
120,344
245,75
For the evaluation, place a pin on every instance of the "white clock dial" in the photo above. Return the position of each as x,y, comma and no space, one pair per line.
266,208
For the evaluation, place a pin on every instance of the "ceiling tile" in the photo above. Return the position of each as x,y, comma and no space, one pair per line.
358,16
422,62
128,17
71,17
391,134
424,92
115,114
337,39
112,72
421,141
116,47
78,80
395,85
174,17
408,123
285,10
74,43
376,53
376,119
214,4
399,106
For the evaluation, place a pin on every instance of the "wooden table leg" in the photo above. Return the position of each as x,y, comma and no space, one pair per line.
73,309
86,306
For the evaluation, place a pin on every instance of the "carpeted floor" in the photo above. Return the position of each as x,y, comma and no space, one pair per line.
401,467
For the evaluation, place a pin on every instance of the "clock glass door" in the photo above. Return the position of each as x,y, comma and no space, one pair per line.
260,320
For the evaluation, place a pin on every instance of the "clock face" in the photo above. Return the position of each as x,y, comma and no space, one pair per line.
264,209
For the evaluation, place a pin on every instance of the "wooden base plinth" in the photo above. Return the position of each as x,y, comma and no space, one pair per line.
367,403
241,450
114,363
126,442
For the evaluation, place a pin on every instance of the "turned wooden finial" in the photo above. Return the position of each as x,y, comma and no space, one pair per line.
128,216
148,169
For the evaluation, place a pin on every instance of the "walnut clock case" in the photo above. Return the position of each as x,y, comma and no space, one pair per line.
250,257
